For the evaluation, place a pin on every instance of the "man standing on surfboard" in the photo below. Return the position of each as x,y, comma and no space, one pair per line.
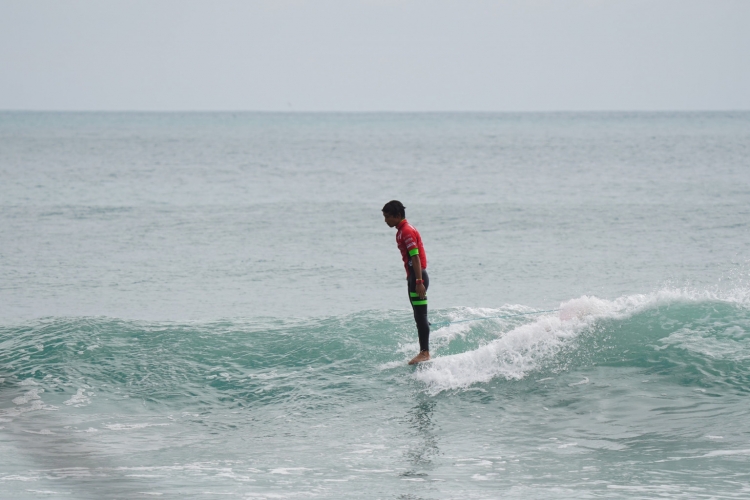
415,261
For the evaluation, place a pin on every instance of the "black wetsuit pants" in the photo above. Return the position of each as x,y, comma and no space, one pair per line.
420,308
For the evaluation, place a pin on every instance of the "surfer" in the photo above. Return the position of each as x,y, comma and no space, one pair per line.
415,261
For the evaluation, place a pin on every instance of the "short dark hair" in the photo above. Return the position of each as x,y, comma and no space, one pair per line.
395,207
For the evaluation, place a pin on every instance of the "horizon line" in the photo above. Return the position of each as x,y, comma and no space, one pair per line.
351,112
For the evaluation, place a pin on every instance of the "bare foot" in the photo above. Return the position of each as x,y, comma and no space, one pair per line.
422,356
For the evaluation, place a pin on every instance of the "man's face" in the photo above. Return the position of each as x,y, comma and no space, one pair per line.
391,220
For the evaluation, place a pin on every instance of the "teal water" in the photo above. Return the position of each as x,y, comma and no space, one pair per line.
210,306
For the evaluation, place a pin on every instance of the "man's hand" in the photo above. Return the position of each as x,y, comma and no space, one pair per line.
417,265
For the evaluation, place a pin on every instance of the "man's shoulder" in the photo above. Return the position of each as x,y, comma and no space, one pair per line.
409,229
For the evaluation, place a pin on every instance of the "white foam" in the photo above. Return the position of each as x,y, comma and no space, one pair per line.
582,382
723,453
18,478
127,427
287,470
522,349
511,356
78,399
448,333
28,396
480,477
35,405
368,448
390,365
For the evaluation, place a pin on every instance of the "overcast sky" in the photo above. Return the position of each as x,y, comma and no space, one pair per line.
375,55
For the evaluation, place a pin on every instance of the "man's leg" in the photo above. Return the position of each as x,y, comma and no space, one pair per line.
423,326
419,306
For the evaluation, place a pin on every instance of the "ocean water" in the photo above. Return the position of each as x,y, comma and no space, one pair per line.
209,305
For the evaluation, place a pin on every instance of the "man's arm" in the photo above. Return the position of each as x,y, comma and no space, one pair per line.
416,264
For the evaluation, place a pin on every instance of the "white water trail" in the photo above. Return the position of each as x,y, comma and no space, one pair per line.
525,348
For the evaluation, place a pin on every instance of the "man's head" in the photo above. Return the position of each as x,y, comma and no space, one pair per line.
394,212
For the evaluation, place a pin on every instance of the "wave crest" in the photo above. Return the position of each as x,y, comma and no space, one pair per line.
534,345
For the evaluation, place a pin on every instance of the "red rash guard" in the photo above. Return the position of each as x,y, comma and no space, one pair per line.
410,243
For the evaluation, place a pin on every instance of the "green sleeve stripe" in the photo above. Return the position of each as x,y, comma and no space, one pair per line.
419,302
413,294
413,252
